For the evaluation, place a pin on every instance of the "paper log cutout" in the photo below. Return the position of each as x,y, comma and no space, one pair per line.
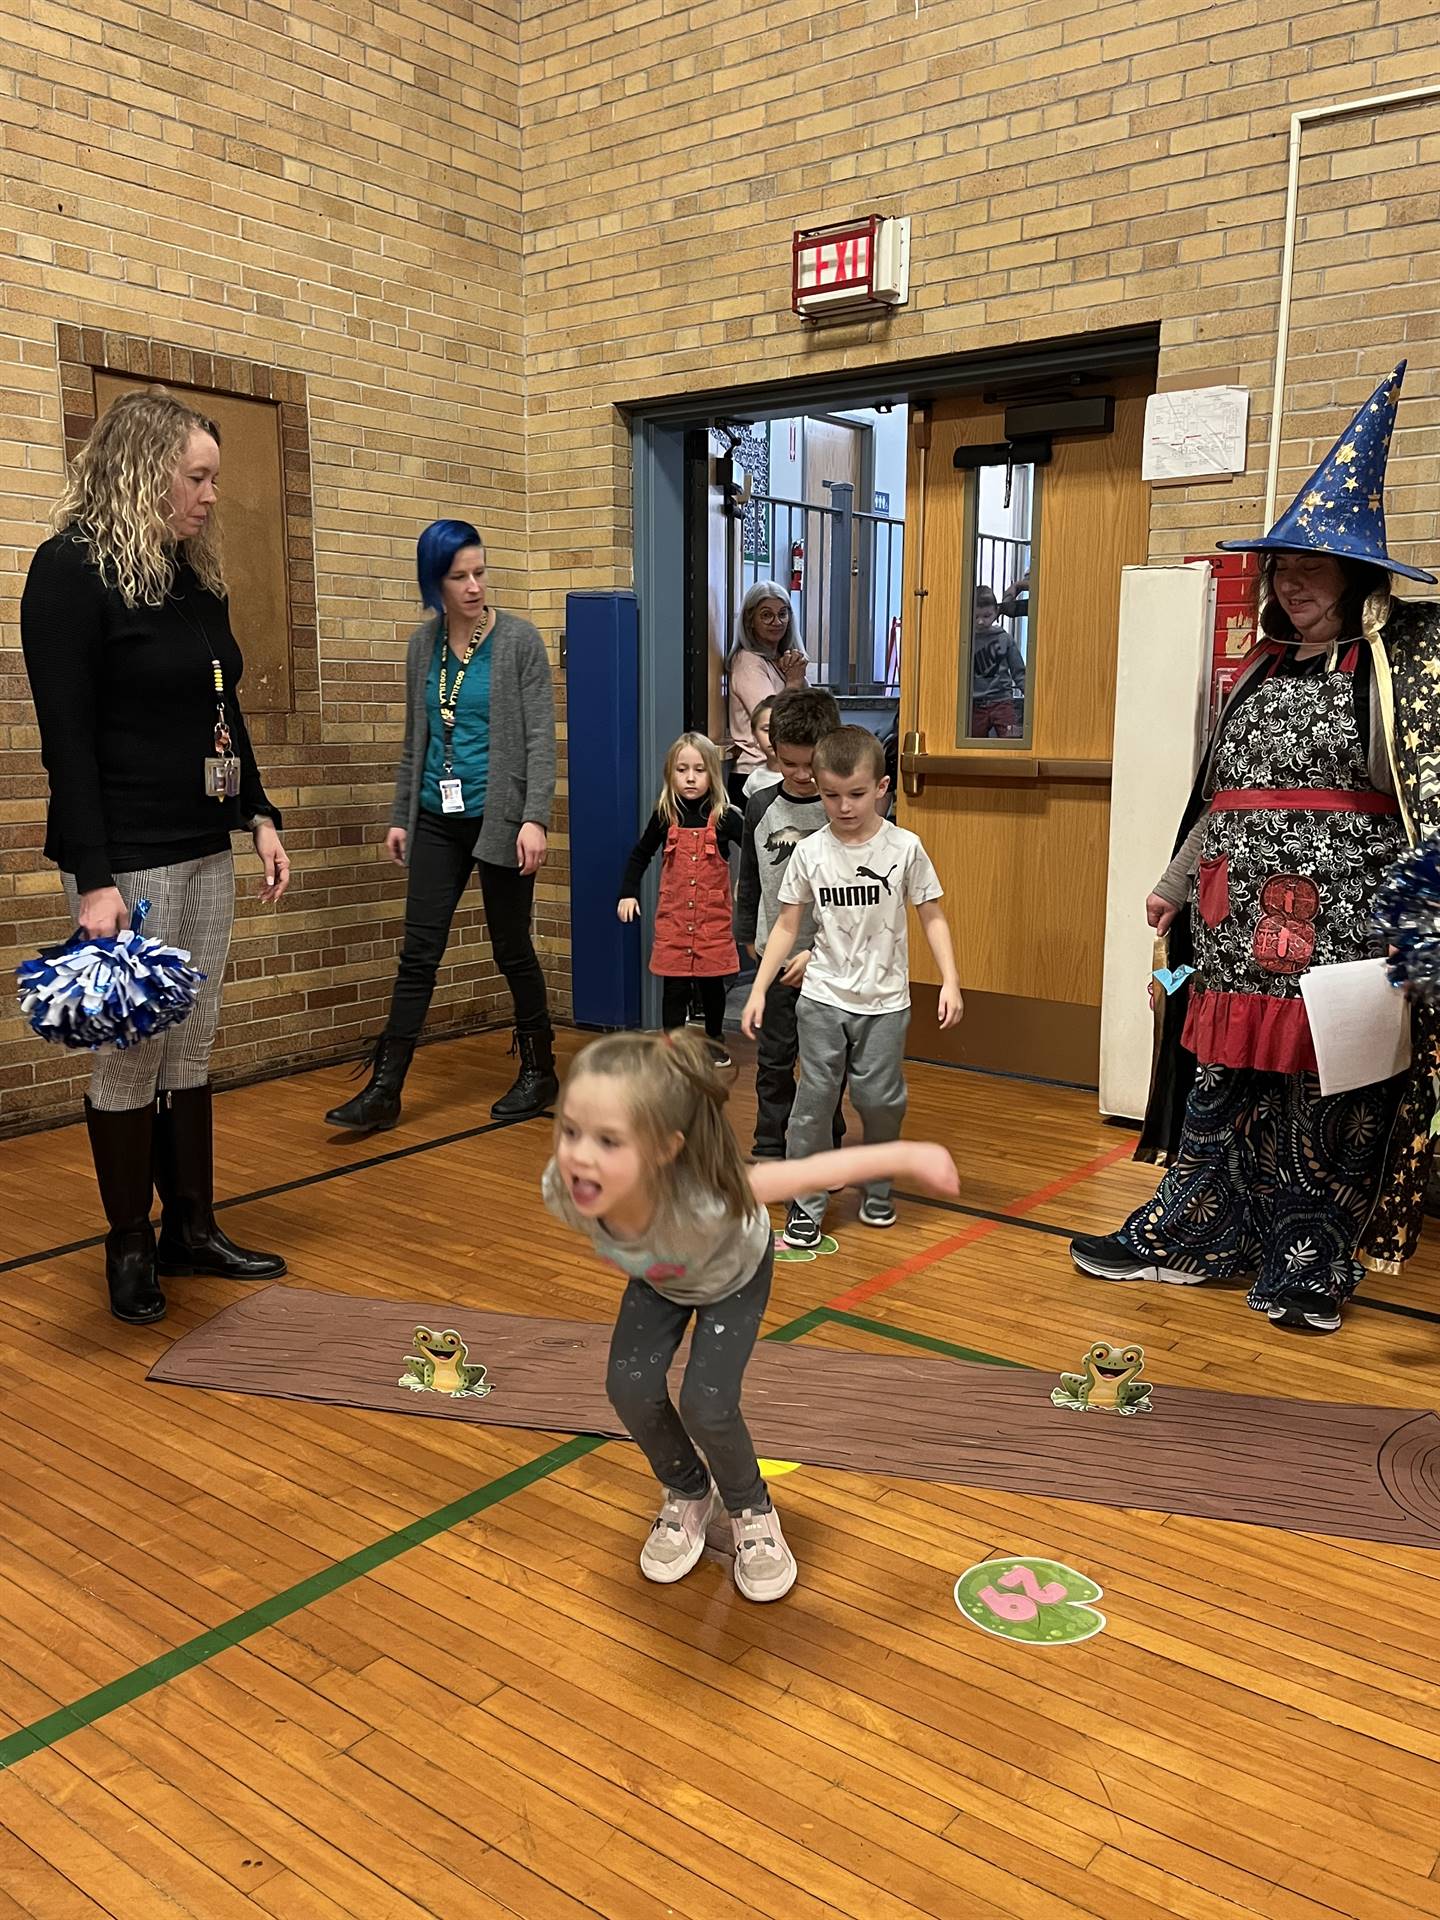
1365,1473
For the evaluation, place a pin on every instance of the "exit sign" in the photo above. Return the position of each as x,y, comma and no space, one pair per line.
854,267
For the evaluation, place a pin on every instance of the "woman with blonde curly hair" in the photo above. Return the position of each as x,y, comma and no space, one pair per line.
135,674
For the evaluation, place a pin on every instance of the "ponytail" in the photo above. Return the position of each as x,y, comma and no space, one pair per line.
672,1087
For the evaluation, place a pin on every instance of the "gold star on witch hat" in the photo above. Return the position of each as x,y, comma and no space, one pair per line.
1341,507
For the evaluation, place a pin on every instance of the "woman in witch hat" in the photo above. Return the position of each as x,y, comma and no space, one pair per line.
1307,794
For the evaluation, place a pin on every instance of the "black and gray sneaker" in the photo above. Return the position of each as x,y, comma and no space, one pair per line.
877,1210
1109,1258
800,1229
1312,1316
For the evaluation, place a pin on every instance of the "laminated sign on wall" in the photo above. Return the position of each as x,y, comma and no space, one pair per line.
1198,434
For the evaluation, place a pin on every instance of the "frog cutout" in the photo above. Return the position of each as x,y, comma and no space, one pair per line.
441,1364
1040,1602
1109,1383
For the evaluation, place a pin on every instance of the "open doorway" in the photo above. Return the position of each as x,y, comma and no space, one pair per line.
814,502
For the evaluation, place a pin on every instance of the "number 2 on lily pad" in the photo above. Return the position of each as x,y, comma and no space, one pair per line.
1040,1602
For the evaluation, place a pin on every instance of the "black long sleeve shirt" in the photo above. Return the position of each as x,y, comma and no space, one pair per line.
126,704
688,813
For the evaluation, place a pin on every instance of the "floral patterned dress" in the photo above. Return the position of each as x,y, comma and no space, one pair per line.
1271,1178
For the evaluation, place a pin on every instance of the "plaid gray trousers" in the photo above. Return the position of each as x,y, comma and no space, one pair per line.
192,905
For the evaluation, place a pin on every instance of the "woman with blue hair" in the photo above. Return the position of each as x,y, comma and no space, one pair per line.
473,790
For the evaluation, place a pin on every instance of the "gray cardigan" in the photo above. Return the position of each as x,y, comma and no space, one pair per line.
521,783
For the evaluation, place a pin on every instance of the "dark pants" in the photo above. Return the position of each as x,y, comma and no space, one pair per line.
775,1058
1271,1178
647,1332
675,1003
441,859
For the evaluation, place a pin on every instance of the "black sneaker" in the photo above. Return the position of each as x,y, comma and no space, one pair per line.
800,1229
719,1056
1108,1258
1309,1315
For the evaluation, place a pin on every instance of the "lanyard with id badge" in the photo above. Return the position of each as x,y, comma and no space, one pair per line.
452,799
222,768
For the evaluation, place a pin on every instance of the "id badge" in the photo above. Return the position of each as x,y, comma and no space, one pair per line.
222,777
451,798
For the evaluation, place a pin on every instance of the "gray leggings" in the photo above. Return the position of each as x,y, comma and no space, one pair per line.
647,1333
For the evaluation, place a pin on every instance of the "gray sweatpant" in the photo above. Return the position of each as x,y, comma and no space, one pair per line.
647,1333
192,905
872,1047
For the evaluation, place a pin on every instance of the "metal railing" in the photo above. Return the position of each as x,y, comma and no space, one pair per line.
842,567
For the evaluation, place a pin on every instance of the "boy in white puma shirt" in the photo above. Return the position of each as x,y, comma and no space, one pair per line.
857,874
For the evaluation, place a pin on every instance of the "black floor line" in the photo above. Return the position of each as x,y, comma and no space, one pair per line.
290,1186
496,1126
1068,1233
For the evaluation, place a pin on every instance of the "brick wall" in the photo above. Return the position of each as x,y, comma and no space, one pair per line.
373,199
333,193
1068,166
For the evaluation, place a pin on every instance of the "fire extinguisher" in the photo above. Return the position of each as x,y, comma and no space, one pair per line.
797,566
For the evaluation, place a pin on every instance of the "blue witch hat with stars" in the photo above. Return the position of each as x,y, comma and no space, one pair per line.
1341,508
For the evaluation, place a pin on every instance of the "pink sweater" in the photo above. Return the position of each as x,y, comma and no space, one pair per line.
753,676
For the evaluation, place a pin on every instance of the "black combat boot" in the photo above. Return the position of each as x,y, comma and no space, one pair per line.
377,1105
536,1086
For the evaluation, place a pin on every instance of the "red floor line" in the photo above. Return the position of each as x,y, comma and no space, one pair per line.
917,1263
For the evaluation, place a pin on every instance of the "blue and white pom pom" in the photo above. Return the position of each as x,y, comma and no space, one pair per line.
1407,916
113,992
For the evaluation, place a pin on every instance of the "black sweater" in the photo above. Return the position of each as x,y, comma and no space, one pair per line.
126,705
688,813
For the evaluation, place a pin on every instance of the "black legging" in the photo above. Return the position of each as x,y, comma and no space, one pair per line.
675,1003
442,857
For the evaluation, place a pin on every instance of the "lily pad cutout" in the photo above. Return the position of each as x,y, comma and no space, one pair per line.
794,1255
1041,1602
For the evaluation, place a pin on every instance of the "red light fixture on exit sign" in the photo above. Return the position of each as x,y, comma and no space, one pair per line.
850,269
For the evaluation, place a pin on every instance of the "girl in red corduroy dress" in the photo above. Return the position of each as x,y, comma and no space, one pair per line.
694,940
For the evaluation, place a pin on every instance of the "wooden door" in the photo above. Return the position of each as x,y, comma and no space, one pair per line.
1018,825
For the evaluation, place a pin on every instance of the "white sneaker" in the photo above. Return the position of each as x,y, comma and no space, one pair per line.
677,1538
764,1566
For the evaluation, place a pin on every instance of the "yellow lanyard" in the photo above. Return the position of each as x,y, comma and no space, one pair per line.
450,702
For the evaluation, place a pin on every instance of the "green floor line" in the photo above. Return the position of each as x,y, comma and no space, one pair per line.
91,1707
907,1337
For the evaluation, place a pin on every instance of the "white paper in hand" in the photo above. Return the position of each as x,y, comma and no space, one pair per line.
1360,1024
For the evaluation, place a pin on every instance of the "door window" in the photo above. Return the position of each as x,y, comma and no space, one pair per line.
997,607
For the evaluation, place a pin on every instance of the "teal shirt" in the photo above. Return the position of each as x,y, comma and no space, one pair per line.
470,750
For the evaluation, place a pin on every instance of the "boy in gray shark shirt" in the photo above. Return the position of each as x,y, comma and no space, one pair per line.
777,819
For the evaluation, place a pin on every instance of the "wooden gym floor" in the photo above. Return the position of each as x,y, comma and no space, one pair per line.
260,1657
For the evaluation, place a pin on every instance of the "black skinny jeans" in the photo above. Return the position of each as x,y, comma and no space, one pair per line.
441,857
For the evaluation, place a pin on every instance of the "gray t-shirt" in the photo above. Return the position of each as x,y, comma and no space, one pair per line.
775,824
693,1254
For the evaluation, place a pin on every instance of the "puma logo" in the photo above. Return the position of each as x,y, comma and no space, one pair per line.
882,879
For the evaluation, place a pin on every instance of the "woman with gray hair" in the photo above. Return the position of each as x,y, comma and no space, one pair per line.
135,674
766,659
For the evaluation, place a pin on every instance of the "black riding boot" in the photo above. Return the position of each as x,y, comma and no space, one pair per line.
120,1146
377,1105
190,1240
536,1086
